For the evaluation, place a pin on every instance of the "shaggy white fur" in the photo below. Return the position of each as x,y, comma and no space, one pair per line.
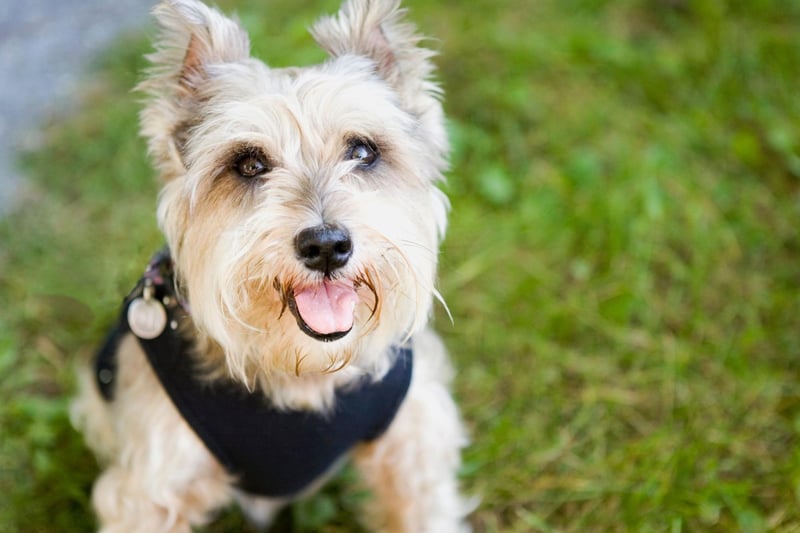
233,239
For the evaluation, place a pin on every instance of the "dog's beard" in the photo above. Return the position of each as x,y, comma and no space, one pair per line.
269,315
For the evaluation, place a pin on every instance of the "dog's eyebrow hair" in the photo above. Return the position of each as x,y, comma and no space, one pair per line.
228,154
378,140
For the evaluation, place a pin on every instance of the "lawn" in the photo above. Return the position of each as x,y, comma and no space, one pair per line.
622,265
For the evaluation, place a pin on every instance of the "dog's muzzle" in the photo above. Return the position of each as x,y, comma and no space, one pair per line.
324,310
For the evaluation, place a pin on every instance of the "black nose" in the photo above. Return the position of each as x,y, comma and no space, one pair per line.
324,248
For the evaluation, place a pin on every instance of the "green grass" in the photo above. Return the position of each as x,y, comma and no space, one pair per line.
622,265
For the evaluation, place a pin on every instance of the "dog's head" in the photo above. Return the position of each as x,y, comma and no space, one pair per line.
301,204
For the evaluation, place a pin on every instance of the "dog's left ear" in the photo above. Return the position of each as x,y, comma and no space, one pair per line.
376,29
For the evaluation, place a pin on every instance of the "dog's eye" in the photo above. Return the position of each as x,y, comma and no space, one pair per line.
251,164
365,152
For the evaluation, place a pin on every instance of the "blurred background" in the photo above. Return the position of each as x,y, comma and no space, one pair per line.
622,262
46,50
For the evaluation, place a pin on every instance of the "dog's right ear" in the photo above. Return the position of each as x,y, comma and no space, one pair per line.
192,39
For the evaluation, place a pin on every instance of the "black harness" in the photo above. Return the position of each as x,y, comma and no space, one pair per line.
272,452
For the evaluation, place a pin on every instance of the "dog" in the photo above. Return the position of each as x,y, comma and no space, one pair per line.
284,328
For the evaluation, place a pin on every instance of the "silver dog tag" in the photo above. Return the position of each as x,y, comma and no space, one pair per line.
147,318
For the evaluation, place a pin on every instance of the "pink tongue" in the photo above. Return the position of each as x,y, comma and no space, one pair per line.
327,308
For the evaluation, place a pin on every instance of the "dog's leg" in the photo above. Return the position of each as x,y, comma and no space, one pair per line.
160,477
260,511
126,503
412,468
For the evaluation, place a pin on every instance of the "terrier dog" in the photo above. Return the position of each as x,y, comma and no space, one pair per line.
284,328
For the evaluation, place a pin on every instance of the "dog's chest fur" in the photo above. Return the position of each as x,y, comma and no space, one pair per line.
268,451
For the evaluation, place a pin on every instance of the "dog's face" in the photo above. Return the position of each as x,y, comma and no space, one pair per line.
300,204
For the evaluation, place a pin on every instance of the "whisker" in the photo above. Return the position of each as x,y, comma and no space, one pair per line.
440,299
415,244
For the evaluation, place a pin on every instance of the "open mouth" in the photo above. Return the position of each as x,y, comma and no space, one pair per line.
324,311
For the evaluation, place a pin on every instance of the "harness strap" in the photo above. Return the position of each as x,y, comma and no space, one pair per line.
272,452
159,281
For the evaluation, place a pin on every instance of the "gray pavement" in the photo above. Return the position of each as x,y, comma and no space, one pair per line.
46,47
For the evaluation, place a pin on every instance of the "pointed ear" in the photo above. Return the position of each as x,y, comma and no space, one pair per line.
376,29
192,37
